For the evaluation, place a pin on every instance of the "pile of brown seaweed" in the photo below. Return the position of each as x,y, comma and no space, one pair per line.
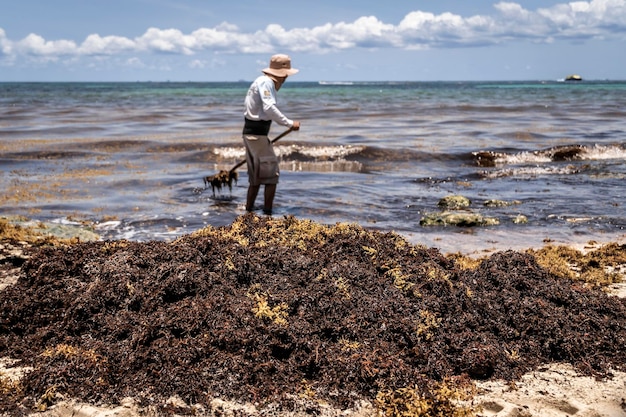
280,311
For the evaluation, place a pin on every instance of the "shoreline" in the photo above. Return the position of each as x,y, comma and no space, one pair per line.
476,242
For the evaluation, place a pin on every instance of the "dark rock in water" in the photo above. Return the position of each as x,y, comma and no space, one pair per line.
486,158
500,203
566,153
268,310
520,219
457,218
454,202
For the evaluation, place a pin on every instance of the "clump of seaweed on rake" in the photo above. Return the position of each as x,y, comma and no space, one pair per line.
220,180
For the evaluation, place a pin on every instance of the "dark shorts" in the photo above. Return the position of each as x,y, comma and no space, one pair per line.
262,161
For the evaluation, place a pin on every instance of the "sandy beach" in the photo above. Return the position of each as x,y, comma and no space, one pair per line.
550,390
555,391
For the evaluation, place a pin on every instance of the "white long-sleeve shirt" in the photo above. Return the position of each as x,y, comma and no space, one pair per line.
260,102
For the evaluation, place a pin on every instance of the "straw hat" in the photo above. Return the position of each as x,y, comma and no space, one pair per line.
280,66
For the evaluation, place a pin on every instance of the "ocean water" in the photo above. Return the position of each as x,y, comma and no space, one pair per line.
129,158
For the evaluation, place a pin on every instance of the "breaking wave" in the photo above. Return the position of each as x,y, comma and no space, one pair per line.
298,152
555,154
531,172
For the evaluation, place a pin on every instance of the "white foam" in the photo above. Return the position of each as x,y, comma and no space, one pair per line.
109,225
230,152
327,152
534,171
594,153
65,221
523,158
340,165
599,152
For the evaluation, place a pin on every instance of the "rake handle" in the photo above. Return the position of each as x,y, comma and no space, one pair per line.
240,163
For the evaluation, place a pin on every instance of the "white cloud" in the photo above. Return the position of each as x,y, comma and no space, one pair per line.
168,41
108,45
513,11
446,29
37,46
587,19
365,32
134,62
206,64
575,20
510,21
5,44
197,64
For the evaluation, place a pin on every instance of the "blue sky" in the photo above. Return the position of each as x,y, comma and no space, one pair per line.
332,40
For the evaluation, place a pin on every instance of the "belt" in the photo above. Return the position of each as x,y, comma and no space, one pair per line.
256,127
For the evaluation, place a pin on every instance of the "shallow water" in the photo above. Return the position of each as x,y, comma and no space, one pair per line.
130,157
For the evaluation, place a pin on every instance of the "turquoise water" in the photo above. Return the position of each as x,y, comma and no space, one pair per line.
130,157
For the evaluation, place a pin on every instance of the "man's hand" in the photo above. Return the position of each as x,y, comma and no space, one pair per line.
296,125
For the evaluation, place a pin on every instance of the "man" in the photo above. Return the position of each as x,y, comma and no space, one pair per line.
260,112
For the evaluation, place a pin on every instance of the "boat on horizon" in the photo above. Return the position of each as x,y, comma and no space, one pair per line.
573,77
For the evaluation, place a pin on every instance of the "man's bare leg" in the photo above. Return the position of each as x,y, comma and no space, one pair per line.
253,190
270,192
